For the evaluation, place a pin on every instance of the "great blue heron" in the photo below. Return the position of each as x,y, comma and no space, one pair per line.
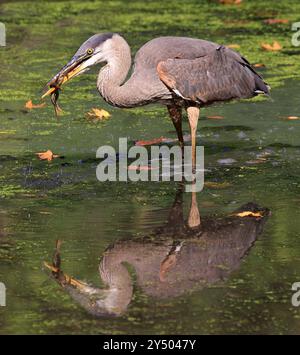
178,72
179,256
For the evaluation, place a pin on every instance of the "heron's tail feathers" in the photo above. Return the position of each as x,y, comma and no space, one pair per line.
261,86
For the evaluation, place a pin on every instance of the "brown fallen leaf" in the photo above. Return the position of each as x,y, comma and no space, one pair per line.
233,46
98,114
152,141
230,2
216,117
276,46
259,65
48,155
272,21
29,105
248,214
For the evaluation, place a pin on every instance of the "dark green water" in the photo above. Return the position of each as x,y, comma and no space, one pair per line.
42,202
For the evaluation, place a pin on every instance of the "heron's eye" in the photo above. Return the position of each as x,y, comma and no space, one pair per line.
90,51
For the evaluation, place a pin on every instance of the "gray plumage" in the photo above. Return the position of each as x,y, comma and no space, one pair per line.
168,69
220,75
178,72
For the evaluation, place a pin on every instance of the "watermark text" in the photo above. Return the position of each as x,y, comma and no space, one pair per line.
2,35
2,295
296,296
296,35
159,163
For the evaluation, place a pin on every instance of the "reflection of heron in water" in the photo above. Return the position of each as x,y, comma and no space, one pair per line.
184,255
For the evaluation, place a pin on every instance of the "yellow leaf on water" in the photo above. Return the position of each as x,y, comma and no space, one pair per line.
276,46
215,117
48,155
11,131
98,114
233,46
272,21
259,65
150,142
230,2
29,105
249,214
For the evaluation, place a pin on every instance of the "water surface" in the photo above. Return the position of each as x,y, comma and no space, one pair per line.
230,292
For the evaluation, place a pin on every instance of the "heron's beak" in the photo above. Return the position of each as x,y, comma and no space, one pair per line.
76,66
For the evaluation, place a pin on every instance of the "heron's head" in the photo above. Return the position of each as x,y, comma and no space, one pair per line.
93,51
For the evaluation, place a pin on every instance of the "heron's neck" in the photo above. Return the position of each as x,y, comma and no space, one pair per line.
111,77
112,300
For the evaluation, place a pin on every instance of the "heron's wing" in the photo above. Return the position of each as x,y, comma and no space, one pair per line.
218,76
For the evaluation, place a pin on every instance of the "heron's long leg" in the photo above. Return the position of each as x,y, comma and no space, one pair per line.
175,113
176,213
193,115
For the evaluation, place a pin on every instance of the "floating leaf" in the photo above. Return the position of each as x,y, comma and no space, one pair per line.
233,46
215,117
29,105
248,214
259,65
10,131
230,2
98,114
272,21
276,46
159,140
152,141
48,155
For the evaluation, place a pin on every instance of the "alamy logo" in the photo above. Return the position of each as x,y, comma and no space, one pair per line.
164,164
2,295
2,35
296,35
296,296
